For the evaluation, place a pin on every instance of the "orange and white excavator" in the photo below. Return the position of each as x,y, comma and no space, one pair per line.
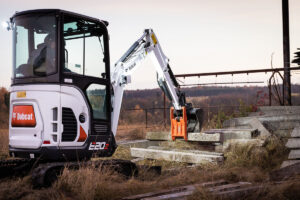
65,98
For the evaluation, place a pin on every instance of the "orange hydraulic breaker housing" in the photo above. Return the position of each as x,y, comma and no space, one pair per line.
178,127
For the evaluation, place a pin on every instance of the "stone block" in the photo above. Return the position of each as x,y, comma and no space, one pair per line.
228,143
294,154
293,143
196,157
200,137
138,143
256,124
296,132
289,163
227,134
204,137
160,136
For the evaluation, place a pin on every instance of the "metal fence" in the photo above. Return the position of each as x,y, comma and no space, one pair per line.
160,117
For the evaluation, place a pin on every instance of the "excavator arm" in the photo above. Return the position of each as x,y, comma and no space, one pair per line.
182,113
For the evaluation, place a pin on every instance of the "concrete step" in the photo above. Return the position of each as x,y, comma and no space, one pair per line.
228,134
228,143
263,132
289,163
275,110
138,143
281,125
252,122
243,121
293,143
296,132
186,150
294,154
186,156
286,133
197,137
159,136
209,136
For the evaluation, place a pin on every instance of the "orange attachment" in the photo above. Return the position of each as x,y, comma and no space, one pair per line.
178,126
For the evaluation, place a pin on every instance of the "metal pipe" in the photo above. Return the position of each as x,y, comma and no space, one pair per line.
222,83
236,72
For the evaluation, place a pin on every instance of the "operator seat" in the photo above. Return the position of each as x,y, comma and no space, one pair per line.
41,61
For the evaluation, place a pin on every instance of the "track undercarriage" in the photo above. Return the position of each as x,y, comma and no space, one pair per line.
43,174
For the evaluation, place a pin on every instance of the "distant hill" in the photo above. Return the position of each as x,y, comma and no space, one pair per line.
213,95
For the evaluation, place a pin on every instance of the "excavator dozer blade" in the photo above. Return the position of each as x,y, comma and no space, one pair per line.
194,119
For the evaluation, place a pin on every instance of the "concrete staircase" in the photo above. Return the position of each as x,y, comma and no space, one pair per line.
293,144
244,130
278,120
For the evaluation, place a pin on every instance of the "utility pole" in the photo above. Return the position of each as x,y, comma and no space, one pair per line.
287,100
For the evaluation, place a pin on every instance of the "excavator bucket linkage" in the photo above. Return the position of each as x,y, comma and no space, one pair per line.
190,121
178,124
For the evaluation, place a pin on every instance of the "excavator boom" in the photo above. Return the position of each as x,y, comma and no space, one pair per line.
184,118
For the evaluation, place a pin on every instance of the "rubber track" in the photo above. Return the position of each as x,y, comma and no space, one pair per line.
15,167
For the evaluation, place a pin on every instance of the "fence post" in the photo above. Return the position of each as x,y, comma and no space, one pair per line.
146,111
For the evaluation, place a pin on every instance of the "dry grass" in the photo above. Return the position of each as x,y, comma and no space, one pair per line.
90,183
244,163
3,143
270,156
130,132
285,191
202,194
137,131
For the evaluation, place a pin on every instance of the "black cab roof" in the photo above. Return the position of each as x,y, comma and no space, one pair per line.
58,11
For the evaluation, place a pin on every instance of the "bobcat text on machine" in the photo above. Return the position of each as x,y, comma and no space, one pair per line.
65,100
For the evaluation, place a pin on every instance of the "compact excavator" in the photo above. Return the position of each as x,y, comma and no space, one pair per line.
65,97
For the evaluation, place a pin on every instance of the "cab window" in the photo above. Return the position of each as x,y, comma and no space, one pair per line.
83,47
34,46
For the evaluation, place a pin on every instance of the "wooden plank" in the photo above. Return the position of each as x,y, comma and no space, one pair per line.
213,183
228,187
239,193
285,172
161,192
176,190
172,196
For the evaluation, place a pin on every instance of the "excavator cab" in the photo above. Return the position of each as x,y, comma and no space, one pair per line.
60,106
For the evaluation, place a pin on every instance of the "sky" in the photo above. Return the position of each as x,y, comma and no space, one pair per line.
196,35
